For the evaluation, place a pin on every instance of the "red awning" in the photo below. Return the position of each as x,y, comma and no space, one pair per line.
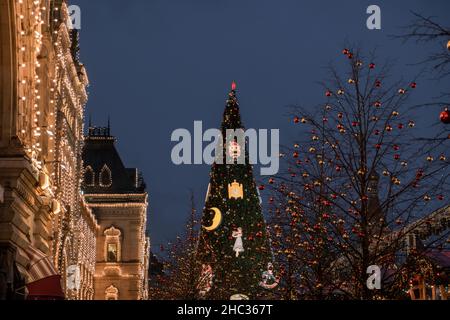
46,289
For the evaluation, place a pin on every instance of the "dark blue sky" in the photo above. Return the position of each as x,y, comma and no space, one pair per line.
158,65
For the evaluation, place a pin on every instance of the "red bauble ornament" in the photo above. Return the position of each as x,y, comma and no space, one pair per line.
262,187
378,83
372,66
413,85
296,120
328,93
345,52
271,180
440,197
445,116
296,155
397,157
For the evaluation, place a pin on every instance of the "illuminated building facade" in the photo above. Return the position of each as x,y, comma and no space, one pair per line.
117,197
42,100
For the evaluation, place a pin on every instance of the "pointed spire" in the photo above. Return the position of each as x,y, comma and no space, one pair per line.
232,117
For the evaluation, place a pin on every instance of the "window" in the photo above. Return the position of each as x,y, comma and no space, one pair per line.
89,176
112,247
105,177
112,293
112,252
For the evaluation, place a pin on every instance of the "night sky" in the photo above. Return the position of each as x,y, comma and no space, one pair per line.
159,65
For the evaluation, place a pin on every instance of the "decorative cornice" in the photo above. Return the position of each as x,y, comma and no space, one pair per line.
118,205
117,200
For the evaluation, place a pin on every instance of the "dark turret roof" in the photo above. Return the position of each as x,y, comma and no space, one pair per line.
100,151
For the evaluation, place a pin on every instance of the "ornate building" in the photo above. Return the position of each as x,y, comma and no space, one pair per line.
117,197
42,99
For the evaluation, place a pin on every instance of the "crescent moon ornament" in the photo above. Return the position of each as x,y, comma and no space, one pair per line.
217,220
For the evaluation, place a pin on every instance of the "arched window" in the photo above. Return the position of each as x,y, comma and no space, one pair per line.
112,293
89,176
105,177
113,248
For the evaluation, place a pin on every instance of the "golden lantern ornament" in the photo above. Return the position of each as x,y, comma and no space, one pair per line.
235,190
448,45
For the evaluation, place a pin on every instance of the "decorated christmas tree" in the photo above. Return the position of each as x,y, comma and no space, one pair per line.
234,247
